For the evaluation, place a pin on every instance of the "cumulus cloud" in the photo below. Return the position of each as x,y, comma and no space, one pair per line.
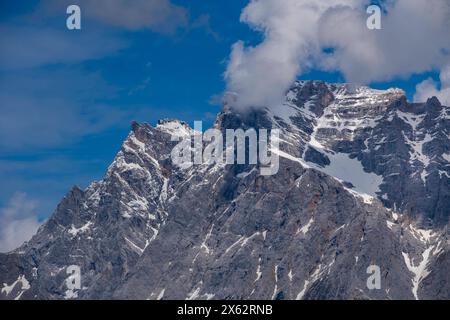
414,38
260,75
429,88
18,222
332,36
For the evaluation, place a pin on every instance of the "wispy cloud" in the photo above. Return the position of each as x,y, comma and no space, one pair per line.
157,15
45,108
204,22
25,46
18,222
143,85
39,39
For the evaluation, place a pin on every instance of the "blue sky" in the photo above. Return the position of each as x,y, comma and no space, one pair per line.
67,97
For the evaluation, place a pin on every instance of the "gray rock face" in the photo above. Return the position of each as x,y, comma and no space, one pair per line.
406,145
363,181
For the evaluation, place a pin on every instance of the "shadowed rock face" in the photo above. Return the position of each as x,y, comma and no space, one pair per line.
366,183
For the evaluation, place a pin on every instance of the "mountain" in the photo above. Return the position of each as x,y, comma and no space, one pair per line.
363,181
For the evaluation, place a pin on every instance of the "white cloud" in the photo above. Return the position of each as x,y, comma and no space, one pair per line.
260,75
429,88
18,222
414,38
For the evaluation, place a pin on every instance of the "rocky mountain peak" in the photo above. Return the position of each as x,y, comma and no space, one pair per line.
363,180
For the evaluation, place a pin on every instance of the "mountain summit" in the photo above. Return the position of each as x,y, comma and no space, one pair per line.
364,180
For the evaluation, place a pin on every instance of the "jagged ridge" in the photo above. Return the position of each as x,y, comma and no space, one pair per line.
152,230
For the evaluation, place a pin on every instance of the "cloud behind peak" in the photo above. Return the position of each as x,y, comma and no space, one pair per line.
300,35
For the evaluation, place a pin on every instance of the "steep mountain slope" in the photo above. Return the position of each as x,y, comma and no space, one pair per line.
363,180
105,228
